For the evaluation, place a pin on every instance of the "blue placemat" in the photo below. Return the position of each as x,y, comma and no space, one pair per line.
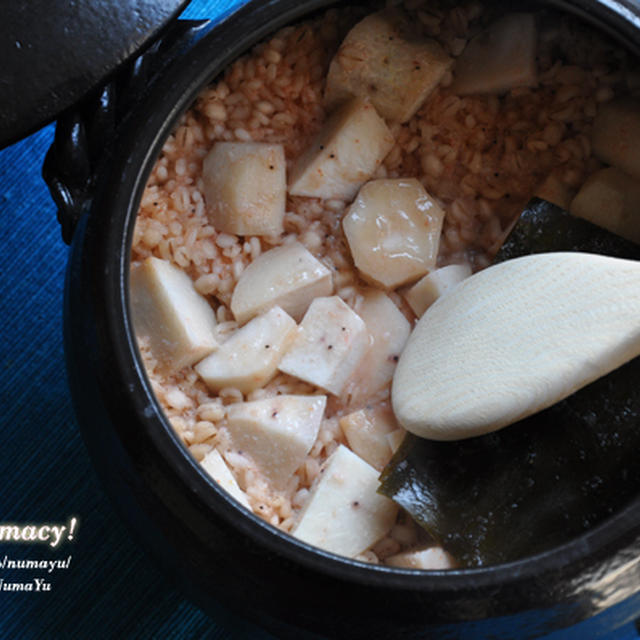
100,584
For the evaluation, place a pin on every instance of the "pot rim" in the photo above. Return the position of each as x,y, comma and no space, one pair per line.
134,157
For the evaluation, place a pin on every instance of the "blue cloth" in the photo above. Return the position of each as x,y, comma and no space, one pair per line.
111,589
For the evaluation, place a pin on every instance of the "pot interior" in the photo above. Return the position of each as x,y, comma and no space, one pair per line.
480,156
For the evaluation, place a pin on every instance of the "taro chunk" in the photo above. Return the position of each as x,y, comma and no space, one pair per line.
383,60
367,432
611,199
393,231
435,284
277,432
555,191
168,310
395,438
344,513
331,342
250,357
389,331
245,187
287,276
431,559
344,155
499,59
616,135
217,468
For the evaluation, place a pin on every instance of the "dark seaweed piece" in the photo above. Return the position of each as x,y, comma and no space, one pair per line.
548,478
543,227
532,486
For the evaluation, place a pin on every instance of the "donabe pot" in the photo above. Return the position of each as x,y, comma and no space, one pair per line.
217,551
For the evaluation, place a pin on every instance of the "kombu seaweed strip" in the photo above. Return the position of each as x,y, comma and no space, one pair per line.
529,487
548,478
544,227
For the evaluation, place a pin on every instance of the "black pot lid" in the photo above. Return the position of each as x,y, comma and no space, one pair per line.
53,52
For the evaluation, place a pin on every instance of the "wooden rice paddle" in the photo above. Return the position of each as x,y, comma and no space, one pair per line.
515,339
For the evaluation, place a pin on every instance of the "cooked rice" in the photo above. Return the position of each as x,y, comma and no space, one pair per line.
482,157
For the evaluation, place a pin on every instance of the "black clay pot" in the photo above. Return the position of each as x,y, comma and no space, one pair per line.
215,549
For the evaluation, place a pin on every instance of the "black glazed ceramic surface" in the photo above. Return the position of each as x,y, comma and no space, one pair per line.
217,550
53,52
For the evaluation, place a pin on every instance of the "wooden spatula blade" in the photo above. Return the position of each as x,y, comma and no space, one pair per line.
515,339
